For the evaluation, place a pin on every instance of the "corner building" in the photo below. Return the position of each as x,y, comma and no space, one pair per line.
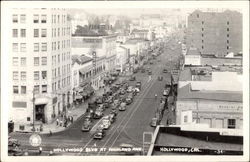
41,65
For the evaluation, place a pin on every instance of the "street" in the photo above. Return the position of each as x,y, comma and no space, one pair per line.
129,125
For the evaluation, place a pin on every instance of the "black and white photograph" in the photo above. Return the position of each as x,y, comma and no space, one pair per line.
116,80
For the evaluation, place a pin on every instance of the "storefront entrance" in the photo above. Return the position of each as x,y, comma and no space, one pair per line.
40,113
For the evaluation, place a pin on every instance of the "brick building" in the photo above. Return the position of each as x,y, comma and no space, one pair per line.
217,33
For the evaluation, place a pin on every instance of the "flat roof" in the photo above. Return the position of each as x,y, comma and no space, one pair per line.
80,59
185,92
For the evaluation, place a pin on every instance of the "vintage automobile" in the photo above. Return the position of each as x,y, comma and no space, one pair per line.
165,71
132,78
129,100
86,126
106,123
149,72
130,89
99,134
165,92
138,85
160,78
154,122
13,142
122,107
98,114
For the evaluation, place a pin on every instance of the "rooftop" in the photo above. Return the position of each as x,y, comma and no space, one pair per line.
193,51
186,92
135,40
80,59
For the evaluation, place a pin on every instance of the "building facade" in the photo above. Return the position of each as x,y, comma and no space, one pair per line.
217,33
41,64
122,58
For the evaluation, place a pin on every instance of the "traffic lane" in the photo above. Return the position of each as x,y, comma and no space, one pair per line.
140,121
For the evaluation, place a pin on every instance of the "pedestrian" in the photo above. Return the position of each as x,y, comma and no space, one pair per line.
61,122
40,150
50,132
57,121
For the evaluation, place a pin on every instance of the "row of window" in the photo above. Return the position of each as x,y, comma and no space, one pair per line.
24,91
57,45
57,71
65,56
36,18
202,29
16,89
23,75
65,31
56,19
203,22
15,47
58,85
15,61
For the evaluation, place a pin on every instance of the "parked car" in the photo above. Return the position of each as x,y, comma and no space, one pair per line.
154,122
122,91
86,126
165,92
129,100
99,100
112,117
165,71
149,72
98,114
113,111
142,70
122,107
13,142
130,89
138,85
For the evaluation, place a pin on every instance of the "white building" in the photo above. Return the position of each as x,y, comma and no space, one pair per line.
101,45
40,57
122,58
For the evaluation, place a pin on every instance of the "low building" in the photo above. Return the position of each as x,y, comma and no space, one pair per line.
217,103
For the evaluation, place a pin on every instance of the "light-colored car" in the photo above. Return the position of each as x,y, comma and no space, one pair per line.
165,92
106,123
130,89
154,122
122,107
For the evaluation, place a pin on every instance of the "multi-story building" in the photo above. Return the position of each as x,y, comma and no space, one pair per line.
41,64
217,33
103,51
122,58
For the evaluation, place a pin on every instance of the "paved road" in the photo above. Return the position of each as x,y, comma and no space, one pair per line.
130,124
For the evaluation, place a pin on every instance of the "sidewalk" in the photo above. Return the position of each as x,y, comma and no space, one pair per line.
76,112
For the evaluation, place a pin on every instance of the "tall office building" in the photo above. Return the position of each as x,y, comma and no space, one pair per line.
40,54
216,33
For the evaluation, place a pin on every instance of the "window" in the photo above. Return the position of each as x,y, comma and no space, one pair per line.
14,33
44,60
55,32
202,22
44,32
58,44
231,123
23,33
202,47
15,47
58,71
227,29
44,88
227,41
36,75
15,89
23,76
36,89
22,18
58,58
58,20
44,47
28,118
202,29
36,61
44,19
36,19
198,15
15,61
23,47
44,74
202,41
36,33
36,47
59,84
23,61
227,22
15,75
23,89
202,35
14,18
227,35
185,119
